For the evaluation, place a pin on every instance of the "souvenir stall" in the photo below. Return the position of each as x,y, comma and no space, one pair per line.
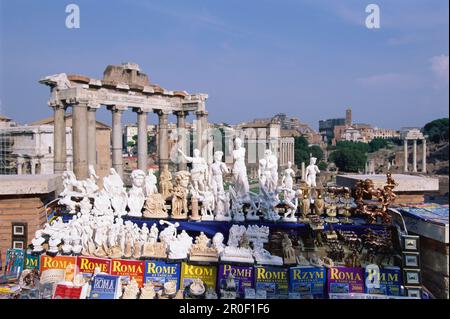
187,236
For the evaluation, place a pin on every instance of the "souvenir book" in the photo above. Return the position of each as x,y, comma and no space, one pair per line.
308,281
130,268
105,287
273,280
244,277
207,274
159,272
345,280
386,281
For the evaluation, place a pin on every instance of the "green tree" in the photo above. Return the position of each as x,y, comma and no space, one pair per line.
316,152
437,130
151,144
377,143
349,159
301,153
322,166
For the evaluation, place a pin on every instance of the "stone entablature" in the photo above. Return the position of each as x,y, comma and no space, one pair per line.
123,87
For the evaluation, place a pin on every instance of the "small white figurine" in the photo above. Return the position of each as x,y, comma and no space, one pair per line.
240,171
291,201
311,171
53,243
207,198
222,211
150,183
37,242
287,180
136,197
216,171
198,171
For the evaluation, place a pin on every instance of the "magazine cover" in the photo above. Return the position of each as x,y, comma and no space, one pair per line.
389,279
131,268
105,287
207,274
57,262
272,279
31,261
87,265
244,276
159,272
14,262
344,280
307,281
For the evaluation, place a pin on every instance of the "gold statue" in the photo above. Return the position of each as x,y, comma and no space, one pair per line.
179,196
165,182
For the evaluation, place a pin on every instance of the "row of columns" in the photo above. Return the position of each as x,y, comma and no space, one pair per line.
84,137
286,152
424,155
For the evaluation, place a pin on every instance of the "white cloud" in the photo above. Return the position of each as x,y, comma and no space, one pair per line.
389,80
439,66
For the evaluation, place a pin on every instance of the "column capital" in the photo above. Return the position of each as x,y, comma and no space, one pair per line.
201,113
57,104
181,113
139,110
162,113
117,108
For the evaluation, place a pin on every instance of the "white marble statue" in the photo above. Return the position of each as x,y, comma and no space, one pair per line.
72,187
37,242
90,184
67,243
136,197
311,171
180,246
236,206
291,201
208,201
217,242
53,242
268,171
153,235
85,206
198,171
150,183
241,184
69,203
169,233
112,182
222,207
216,171
287,180
268,203
102,205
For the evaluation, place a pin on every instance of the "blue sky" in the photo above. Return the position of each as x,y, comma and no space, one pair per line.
310,59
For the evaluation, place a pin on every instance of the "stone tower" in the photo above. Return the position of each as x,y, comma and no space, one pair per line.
348,117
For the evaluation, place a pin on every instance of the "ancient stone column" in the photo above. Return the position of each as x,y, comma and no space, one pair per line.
424,156
415,156
142,139
117,146
92,136
182,138
80,140
59,139
405,151
202,117
163,147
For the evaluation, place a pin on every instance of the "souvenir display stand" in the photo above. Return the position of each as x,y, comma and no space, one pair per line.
189,237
